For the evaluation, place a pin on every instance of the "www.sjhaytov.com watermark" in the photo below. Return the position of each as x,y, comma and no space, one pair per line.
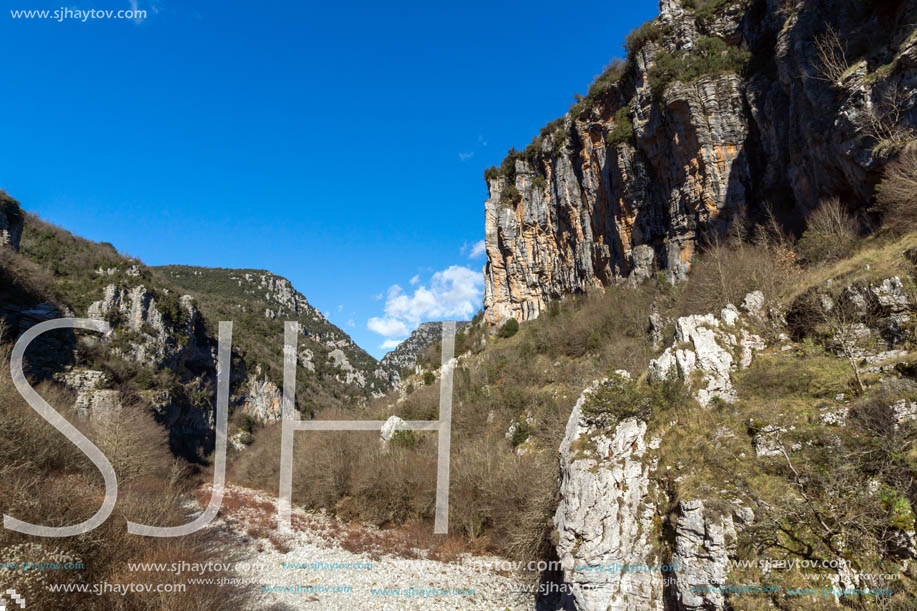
67,14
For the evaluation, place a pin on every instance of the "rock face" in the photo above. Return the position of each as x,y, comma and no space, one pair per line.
607,524
703,543
154,339
605,516
93,401
263,400
393,424
868,320
405,355
595,199
143,332
11,221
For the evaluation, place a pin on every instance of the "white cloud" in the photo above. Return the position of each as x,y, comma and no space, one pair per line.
466,156
387,327
453,293
415,280
351,323
340,307
390,344
378,297
477,250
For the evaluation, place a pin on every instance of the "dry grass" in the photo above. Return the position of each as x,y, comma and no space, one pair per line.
876,257
45,479
727,270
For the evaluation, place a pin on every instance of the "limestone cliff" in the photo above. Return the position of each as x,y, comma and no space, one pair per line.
722,109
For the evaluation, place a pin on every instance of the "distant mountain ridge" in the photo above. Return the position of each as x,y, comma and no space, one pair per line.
405,355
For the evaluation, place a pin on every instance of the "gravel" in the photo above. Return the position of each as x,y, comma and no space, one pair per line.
247,520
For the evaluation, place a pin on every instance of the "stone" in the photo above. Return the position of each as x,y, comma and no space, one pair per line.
263,399
768,441
394,423
702,344
753,304
891,295
656,328
729,315
901,411
836,416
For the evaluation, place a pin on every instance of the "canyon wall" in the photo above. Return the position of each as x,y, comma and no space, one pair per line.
723,109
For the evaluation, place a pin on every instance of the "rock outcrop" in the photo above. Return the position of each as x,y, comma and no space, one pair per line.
263,400
153,340
709,348
605,516
703,543
93,400
11,221
623,185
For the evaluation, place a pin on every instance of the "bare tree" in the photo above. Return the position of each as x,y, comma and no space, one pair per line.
847,320
833,63
897,193
884,122
832,218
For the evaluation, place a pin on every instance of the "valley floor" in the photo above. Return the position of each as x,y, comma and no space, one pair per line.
324,564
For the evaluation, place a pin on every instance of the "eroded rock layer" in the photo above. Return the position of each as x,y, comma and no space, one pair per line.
626,183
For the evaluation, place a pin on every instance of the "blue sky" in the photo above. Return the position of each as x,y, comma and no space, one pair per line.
341,145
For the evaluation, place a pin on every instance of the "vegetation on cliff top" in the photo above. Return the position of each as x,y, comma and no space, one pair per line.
710,57
10,208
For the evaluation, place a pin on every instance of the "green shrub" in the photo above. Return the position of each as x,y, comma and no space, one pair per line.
900,513
831,233
705,10
710,57
815,247
509,328
429,378
623,129
510,196
609,77
521,432
403,439
621,397
637,39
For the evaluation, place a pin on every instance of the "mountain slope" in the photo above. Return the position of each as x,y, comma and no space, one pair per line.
264,301
162,351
